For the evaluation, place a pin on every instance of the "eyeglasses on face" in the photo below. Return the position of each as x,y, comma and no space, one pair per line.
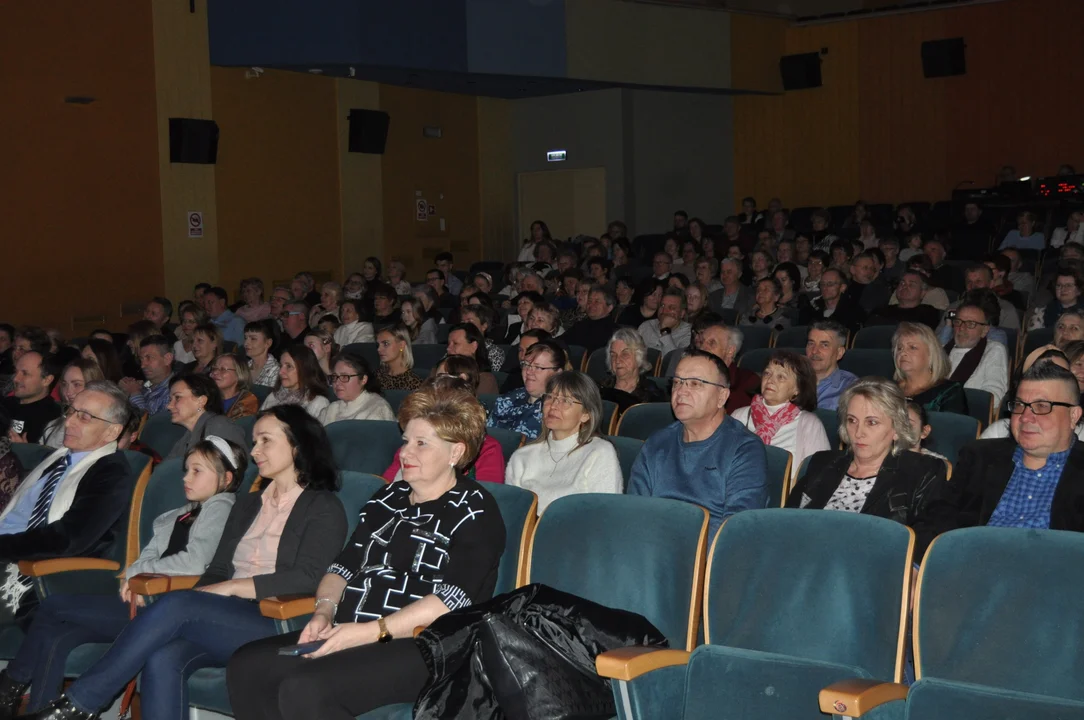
694,383
85,417
1038,407
340,378
562,402
533,366
969,324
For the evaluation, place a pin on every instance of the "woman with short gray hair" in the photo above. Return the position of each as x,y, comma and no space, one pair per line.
570,456
629,382
877,474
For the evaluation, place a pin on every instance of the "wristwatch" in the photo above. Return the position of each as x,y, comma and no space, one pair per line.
385,636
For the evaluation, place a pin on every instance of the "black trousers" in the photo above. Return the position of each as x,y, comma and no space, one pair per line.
267,686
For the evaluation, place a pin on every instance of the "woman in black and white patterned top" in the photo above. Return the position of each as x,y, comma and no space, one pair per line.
878,474
424,546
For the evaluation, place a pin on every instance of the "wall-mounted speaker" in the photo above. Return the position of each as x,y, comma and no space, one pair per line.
800,72
944,58
193,141
368,131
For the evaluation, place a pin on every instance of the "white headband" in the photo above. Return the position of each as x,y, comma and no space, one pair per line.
224,448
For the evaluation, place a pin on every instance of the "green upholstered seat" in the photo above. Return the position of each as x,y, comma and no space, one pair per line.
628,449
864,362
30,455
395,398
779,470
641,421
949,432
755,360
510,440
365,446
830,420
160,434
755,337
874,337
792,337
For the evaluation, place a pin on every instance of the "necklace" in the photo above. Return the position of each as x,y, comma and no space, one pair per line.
555,460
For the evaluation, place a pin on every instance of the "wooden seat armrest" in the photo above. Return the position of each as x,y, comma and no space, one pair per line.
628,663
287,607
855,697
419,629
41,568
155,584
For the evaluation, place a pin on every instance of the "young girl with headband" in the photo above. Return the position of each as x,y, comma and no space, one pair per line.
183,543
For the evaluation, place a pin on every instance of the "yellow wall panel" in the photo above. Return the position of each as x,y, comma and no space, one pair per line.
361,194
496,180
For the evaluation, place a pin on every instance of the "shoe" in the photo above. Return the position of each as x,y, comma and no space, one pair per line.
11,696
61,709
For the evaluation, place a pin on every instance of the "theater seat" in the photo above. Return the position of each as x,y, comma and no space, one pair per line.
864,362
160,434
628,449
364,446
780,463
642,420
951,431
874,337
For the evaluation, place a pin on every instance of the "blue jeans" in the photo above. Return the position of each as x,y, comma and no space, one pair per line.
61,624
168,641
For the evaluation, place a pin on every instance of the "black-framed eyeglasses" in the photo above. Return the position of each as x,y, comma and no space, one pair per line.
84,416
969,324
1039,407
694,383
343,377
532,366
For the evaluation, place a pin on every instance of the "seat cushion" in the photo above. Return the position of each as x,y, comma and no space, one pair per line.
400,711
932,699
207,690
731,684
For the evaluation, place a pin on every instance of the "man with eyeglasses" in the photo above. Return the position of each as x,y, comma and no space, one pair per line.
435,279
866,288
295,321
706,457
830,305
1033,479
71,503
977,362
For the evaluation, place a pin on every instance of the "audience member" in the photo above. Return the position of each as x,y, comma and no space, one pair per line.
206,346
706,457
922,370
104,353
795,305
357,390
260,337
323,348
1069,328
354,329
866,289
254,307
1024,236
825,347
830,305
1073,232
629,381
920,424
974,361
396,360
231,326
445,262
910,308
129,358
668,330
436,280
733,295
1029,480
1023,281
233,380
766,310
301,382
423,330
947,277
7,344
1074,353
594,331
816,264
466,339
295,322
397,278
191,318
893,265
482,317
195,404
877,474
971,240
385,307
159,310
569,456
521,409
280,298
30,407
156,359
660,266
76,376
1068,284
302,288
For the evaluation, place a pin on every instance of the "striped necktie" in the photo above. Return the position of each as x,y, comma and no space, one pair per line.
48,489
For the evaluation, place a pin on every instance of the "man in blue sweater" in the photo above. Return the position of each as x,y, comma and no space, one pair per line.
706,457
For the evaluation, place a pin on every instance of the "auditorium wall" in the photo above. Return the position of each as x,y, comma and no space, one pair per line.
878,130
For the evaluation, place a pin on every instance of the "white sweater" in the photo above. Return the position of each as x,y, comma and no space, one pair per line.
551,471
801,438
367,406
355,332
992,374
314,407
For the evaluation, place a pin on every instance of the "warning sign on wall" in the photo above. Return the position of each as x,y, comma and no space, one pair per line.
195,224
421,210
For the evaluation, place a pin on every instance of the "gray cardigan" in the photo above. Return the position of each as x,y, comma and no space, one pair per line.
203,539
209,424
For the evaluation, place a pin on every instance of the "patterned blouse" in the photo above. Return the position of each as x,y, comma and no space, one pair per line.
269,374
851,494
406,381
516,411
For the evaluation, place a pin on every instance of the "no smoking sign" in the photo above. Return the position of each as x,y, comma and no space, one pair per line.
195,224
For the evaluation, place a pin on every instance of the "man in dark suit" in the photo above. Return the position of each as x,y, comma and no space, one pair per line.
71,503
1033,479
595,330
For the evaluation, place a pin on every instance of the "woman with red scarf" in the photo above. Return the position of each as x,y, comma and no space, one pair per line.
782,414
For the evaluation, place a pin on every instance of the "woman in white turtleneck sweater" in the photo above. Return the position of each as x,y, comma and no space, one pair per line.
569,456
355,385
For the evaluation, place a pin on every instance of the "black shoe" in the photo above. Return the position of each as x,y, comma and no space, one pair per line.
61,709
11,696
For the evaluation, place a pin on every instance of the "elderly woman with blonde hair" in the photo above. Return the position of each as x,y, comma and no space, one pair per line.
876,474
923,369
331,295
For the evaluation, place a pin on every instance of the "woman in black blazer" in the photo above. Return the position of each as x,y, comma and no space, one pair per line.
877,474
277,541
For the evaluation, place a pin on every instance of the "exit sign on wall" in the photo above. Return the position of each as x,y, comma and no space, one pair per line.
556,156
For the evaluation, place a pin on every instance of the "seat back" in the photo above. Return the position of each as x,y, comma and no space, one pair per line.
261,392
864,362
755,337
510,440
366,350
1036,339
576,355
1000,607
608,422
874,337
628,449
163,492
641,420
519,510
780,463
246,423
980,405
357,489
488,400
830,420
364,446
160,434
140,466
842,599
755,360
792,337
596,366
395,398
30,455
427,356
640,554
949,432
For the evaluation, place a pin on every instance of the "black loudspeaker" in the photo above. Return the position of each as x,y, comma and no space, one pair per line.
800,71
193,141
368,131
943,58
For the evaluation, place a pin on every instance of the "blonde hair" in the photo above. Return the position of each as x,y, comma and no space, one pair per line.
939,362
399,331
244,375
889,399
455,414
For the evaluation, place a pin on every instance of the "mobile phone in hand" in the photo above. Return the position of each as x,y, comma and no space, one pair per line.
302,649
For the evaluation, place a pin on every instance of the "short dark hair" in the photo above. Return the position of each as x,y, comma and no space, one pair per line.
691,352
534,297
361,366
555,349
167,306
313,456
159,341
1047,371
202,286
37,337
268,328
482,312
682,213
749,199
201,386
539,334
444,257
1001,262
438,271
605,292
9,329
831,326
985,300
385,291
220,293
474,335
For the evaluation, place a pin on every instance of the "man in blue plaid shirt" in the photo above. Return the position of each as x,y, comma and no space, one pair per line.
1033,479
